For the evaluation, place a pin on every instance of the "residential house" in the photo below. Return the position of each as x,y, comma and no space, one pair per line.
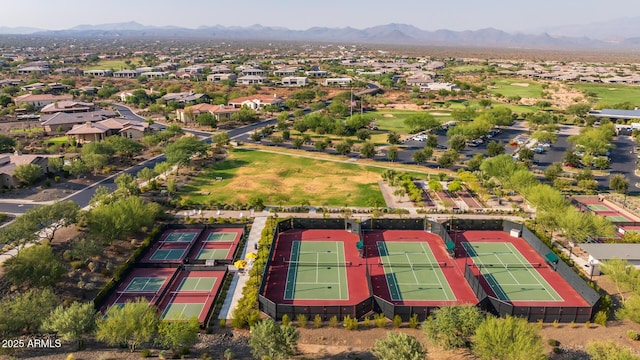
124,95
256,102
437,86
252,72
185,97
97,131
155,74
337,81
220,112
30,70
221,76
63,122
419,80
10,82
135,131
288,71
8,163
40,100
126,74
295,81
67,107
98,73
317,73
69,71
251,80
193,69
51,88
220,69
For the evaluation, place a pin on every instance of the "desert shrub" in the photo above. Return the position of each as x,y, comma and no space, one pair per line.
380,320
286,320
413,321
317,321
350,323
397,321
302,320
333,321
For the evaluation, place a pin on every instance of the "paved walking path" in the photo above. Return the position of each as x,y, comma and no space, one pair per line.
240,278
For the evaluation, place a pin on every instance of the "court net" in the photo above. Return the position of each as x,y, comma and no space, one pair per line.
509,266
191,293
318,264
415,266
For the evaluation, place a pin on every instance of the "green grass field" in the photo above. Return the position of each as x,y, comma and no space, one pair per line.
116,65
517,87
611,94
393,120
285,180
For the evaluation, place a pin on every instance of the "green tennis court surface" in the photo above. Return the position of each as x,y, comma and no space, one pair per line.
412,272
221,236
511,276
317,271
197,284
617,218
181,237
167,254
179,311
598,207
208,254
151,284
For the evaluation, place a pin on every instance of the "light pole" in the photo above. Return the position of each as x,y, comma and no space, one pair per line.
571,245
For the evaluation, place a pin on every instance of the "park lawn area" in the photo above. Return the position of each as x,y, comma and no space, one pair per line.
30,130
285,180
516,87
393,120
60,140
115,64
611,94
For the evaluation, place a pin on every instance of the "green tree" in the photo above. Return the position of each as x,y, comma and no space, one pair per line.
363,134
95,161
6,143
133,324
452,326
448,158
553,171
181,151
268,340
580,110
609,350
398,346
124,146
495,148
24,312
421,122
392,153
126,185
221,139
72,323
146,174
619,183
457,143
475,162
368,149
393,138
178,335
509,338
56,164
344,148
120,218
34,266
526,154
432,141
163,168
27,173
206,119
245,115
419,157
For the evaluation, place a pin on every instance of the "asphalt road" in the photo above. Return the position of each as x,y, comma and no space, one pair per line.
83,196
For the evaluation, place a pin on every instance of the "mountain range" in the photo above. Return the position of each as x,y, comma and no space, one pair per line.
606,35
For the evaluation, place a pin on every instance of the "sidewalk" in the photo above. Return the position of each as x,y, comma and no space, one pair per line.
239,279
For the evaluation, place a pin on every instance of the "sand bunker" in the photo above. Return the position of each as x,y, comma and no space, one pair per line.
387,115
439,114
520,84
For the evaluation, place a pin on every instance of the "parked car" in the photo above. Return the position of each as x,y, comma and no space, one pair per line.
538,150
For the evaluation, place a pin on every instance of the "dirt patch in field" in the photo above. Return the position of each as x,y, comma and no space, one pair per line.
388,115
520,84
439,114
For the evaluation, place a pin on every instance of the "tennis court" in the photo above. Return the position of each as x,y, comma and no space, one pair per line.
598,207
181,236
215,251
221,237
509,274
412,272
145,284
317,271
167,254
192,296
615,218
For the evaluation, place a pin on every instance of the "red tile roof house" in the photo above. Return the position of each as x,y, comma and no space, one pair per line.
40,100
220,112
8,163
256,102
67,107
100,130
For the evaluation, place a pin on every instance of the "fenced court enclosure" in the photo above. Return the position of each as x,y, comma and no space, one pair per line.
175,273
317,271
403,267
604,207
510,275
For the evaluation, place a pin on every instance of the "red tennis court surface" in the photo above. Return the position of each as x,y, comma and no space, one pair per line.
276,280
192,293
144,283
570,297
606,208
381,287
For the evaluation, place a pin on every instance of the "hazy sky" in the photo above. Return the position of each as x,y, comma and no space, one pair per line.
509,15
